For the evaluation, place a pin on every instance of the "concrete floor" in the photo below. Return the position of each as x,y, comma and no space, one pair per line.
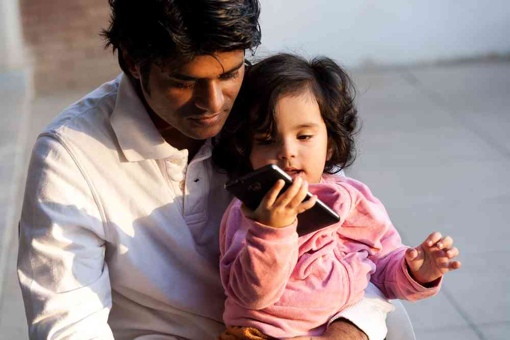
434,147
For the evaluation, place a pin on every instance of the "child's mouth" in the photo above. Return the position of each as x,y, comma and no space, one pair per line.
293,172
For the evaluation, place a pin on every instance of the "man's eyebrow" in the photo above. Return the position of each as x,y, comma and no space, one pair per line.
235,68
184,77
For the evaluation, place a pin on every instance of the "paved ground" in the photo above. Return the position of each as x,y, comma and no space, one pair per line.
434,148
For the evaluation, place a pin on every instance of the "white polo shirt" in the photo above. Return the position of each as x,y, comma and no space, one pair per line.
118,233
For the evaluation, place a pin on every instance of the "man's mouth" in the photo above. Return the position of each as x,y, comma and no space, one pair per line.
206,119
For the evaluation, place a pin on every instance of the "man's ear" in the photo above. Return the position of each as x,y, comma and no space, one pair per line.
132,67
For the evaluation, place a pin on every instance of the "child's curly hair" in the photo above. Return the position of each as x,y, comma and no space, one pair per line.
254,109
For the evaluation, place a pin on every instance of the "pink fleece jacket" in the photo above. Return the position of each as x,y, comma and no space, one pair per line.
288,286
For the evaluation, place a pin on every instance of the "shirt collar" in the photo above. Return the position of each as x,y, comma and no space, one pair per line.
137,136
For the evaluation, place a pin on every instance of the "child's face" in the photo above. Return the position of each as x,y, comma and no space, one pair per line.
300,146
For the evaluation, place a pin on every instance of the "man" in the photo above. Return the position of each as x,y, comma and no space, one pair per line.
119,228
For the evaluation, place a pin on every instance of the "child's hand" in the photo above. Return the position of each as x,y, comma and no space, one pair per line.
433,258
281,211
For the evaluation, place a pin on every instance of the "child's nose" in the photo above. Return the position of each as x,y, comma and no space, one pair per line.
286,151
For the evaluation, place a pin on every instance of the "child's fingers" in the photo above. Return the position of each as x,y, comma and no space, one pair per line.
453,265
433,239
451,253
290,193
298,198
450,265
273,193
247,211
411,254
307,204
445,243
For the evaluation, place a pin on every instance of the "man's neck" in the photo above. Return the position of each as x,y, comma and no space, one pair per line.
181,142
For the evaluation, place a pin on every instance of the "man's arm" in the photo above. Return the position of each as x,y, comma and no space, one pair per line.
61,268
340,329
365,320
343,329
369,315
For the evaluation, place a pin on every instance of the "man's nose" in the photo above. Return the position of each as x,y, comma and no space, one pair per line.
209,96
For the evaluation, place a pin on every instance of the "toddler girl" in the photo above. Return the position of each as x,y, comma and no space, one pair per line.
300,116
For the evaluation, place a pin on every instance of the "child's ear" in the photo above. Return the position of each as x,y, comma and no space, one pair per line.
329,154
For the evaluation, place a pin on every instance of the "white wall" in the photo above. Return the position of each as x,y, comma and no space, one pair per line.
357,32
11,53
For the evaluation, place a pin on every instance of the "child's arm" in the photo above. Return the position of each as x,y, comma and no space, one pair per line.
432,259
368,224
259,250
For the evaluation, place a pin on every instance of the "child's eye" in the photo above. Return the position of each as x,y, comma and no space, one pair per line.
264,141
304,137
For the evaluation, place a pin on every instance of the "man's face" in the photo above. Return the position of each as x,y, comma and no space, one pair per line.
193,100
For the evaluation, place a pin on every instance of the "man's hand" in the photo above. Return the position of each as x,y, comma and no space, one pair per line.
432,259
341,329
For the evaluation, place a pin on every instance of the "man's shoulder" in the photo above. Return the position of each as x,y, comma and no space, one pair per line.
88,113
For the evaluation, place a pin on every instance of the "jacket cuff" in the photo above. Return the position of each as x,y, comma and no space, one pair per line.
266,232
430,289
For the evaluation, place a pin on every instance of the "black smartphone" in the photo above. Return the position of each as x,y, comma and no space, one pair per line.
252,187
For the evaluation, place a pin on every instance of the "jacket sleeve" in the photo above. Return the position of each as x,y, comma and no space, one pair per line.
256,260
368,223
61,261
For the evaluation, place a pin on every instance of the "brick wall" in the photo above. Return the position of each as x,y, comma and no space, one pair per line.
64,46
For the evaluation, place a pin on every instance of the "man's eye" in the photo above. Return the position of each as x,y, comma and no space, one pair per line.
231,75
184,85
180,83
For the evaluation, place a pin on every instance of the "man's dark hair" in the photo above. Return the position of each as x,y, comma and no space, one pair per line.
152,31
254,109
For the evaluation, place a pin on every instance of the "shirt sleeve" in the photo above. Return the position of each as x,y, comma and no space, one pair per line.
61,262
256,260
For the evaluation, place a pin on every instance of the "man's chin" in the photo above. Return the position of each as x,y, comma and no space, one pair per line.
203,134
202,130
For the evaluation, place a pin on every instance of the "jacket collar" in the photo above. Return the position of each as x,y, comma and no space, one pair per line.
136,133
